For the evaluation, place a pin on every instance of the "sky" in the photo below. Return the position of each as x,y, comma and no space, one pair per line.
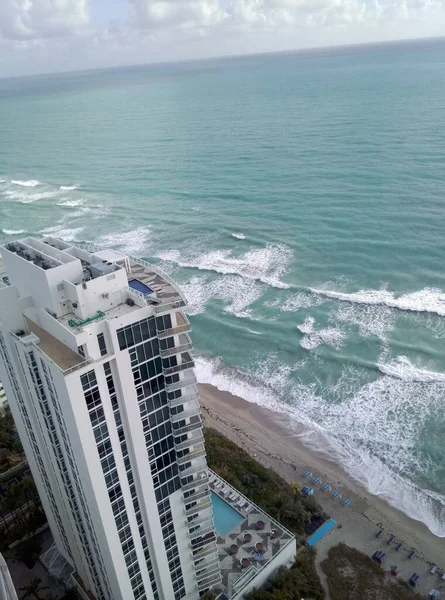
44,36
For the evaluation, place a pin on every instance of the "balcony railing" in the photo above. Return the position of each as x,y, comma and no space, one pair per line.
196,483
192,470
190,456
172,387
196,496
186,414
197,508
188,428
209,581
168,306
187,363
192,441
209,547
179,328
185,398
201,532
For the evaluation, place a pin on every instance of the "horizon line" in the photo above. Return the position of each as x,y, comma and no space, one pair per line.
308,50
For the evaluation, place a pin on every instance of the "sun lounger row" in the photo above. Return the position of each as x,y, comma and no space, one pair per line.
327,487
230,494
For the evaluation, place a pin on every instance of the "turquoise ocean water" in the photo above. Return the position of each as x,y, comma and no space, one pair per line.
300,201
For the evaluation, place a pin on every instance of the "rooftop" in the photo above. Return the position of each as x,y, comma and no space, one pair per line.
65,358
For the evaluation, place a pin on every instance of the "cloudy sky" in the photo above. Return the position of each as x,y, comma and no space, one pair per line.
38,36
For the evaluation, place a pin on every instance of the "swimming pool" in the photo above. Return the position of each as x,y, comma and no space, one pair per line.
225,516
137,285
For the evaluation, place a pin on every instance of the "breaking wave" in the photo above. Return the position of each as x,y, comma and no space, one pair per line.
239,236
427,300
13,231
266,265
68,188
29,183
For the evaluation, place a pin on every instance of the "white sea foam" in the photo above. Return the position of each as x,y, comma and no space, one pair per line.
68,188
313,338
13,231
402,368
71,203
371,430
29,183
134,242
237,295
25,197
239,236
427,300
67,234
371,320
266,264
295,302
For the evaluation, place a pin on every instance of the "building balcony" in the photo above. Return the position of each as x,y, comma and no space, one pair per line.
167,307
187,362
203,504
185,344
191,441
196,468
206,562
191,455
208,548
188,427
209,581
205,520
197,496
188,397
196,483
182,326
186,414
172,387
201,532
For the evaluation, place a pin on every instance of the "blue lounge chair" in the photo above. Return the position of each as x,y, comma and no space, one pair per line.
326,487
307,474
316,480
336,494
346,501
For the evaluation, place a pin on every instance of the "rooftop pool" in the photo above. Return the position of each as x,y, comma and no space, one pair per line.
137,285
225,516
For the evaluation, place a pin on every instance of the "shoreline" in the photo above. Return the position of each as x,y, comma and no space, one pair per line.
276,442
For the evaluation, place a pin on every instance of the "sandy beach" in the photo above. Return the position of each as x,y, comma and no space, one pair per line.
276,443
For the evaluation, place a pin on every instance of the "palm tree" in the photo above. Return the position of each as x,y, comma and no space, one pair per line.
33,589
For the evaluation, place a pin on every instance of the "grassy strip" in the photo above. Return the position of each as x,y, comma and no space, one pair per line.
352,575
263,486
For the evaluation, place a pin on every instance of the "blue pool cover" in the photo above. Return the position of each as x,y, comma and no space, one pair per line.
321,531
225,516
137,285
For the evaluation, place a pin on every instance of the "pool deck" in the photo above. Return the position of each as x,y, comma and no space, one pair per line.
235,577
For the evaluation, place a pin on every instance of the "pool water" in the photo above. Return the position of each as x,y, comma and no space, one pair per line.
137,285
225,516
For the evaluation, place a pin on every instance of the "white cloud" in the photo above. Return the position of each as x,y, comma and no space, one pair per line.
164,13
28,19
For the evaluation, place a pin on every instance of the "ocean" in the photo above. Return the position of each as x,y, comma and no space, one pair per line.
299,199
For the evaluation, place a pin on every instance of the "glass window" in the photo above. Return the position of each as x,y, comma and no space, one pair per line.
102,344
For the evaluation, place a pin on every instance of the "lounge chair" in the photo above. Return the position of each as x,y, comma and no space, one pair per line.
307,474
316,480
240,503
219,484
326,487
346,501
336,494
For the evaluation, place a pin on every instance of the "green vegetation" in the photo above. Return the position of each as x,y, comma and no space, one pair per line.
300,581
352,575
11,451
21,514
261,485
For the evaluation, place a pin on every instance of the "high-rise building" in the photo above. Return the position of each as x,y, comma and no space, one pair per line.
95,359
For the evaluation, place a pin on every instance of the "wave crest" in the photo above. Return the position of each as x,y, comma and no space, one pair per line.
28,183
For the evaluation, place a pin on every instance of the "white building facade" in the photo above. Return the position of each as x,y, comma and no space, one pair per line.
95,360
3,399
